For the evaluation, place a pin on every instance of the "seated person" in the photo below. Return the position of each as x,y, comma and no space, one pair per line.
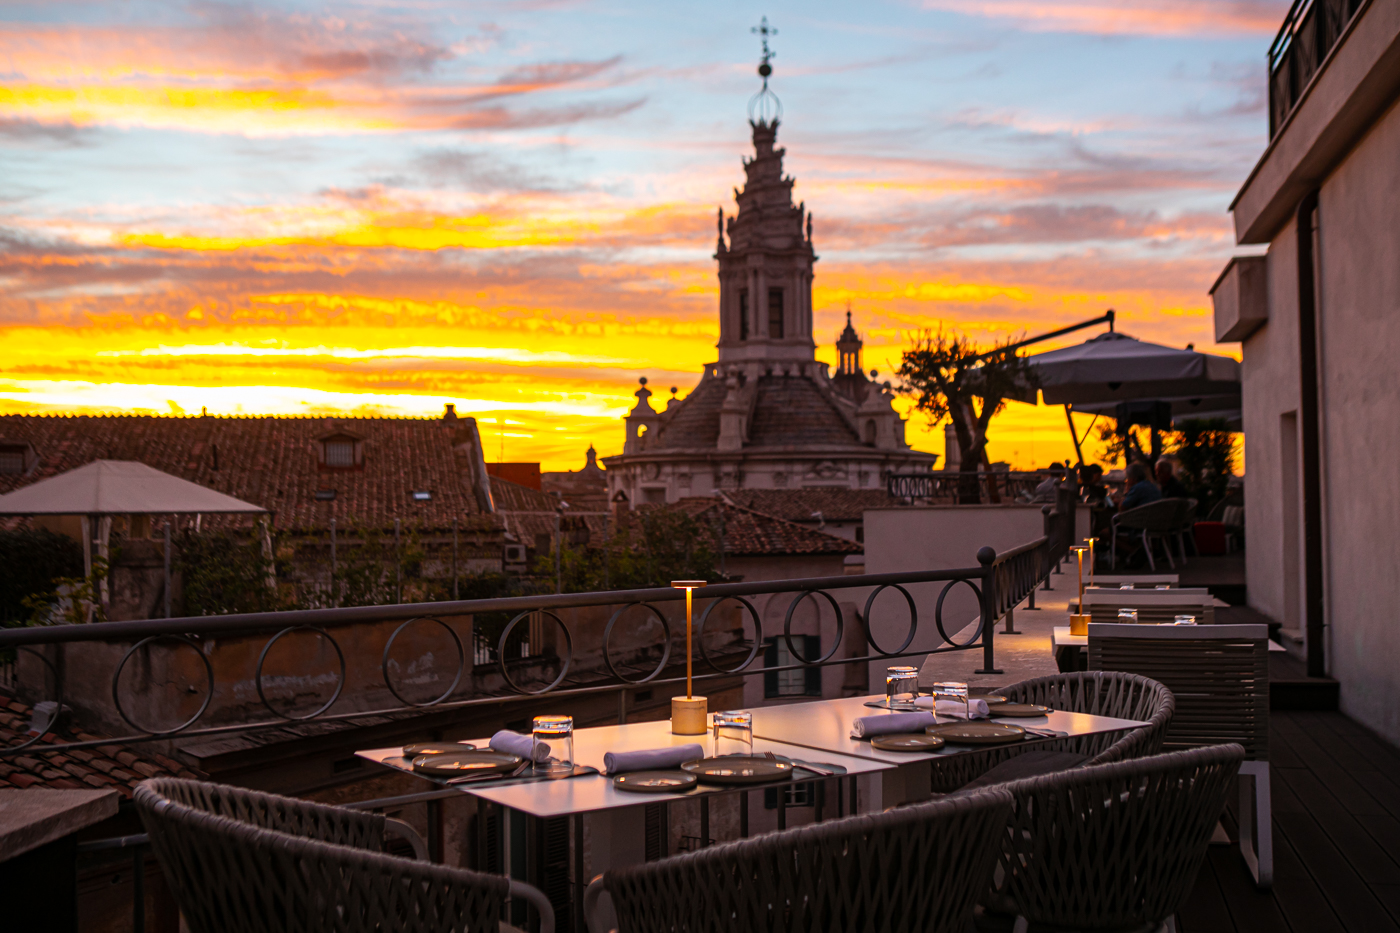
1045,492
1167,482
1137,488
1091,484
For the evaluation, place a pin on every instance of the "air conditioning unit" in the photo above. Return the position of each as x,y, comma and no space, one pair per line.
515,553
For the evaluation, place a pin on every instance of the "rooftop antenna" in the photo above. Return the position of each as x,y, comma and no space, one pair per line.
764,107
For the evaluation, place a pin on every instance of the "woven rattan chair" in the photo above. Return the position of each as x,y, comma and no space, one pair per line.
1153,606
913,869
1110,847
1220,677
1098,693
1155,521
316,872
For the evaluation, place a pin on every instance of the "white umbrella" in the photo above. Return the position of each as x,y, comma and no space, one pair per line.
103,488
1114,367
119,487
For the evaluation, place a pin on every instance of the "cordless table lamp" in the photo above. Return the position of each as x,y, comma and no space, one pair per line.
1079,621
688,712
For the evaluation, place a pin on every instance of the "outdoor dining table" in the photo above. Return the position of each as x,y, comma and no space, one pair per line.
817,732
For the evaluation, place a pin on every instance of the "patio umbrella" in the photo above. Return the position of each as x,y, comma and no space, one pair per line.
103,488
1184,408
1114,367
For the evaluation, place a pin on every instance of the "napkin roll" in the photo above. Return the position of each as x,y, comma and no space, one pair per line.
954,709
652,759
513,743
891,724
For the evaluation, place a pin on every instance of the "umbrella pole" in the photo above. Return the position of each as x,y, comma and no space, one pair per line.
1074,435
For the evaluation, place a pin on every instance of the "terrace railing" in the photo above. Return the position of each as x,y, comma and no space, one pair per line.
997,583
1308,35
953,486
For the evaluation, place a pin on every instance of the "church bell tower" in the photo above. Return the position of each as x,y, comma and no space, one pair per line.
765,266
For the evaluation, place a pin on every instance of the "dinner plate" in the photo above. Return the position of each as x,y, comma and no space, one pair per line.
655,782
1018,710
480,761
991,699
437,748
912,742
738,769
978,733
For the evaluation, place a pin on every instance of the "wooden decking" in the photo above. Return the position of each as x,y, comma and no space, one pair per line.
1336,788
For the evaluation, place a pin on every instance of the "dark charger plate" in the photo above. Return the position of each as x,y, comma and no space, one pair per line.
437,748
739,770
467,763
655,782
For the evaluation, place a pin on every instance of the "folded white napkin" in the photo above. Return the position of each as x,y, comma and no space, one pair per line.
954,709
513,743
890,724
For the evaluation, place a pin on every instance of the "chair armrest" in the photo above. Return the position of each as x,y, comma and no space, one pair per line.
399,828
591,894
533,895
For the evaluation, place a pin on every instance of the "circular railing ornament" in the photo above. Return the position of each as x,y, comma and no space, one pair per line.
340,684
117,674
938,614
461,661
757,634
607,638
501,653
840,626
913,621
58,689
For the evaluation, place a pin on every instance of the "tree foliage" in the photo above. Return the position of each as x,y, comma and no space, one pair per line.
658,546
37,562
1205,450
942,372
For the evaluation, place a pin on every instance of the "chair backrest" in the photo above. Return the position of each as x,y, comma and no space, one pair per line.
915,868
1146,580
231,876
1219,675
282,814
1153,606
1117,694
1111,846
1154,516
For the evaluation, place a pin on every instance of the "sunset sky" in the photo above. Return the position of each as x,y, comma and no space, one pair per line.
381,208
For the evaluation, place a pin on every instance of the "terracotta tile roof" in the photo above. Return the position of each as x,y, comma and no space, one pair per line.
513,497
273,462
114,767
752,533
797,505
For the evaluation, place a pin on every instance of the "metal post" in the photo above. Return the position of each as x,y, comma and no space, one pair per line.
454,558
704,822
435,831
138,890
987,558
335,599
398,566
167,569
744,815
622,707
578,873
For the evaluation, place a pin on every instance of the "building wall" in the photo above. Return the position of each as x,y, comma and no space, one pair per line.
1270,385
1359,221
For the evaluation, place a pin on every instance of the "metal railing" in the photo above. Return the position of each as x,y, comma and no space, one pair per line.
995,583
953,486
1309,32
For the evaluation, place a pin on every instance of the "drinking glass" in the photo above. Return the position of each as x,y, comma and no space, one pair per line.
557,732
901,686
950,690
1128,615
1162,586
1125,586
733,733
1185,620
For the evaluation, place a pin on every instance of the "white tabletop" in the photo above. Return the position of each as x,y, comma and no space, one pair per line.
595,792
825,725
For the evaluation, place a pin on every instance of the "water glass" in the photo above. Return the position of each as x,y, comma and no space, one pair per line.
950,690
733,733
1125,586
557,733
901,686
1128,616
1185,620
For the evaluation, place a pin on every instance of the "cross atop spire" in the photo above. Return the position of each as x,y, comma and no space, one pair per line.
765,109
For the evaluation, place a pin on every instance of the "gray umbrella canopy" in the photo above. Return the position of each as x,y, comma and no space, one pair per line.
1185,408
119,487
1114,367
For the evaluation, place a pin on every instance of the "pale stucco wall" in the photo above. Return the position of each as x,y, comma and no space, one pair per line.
1359,314
1359,333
